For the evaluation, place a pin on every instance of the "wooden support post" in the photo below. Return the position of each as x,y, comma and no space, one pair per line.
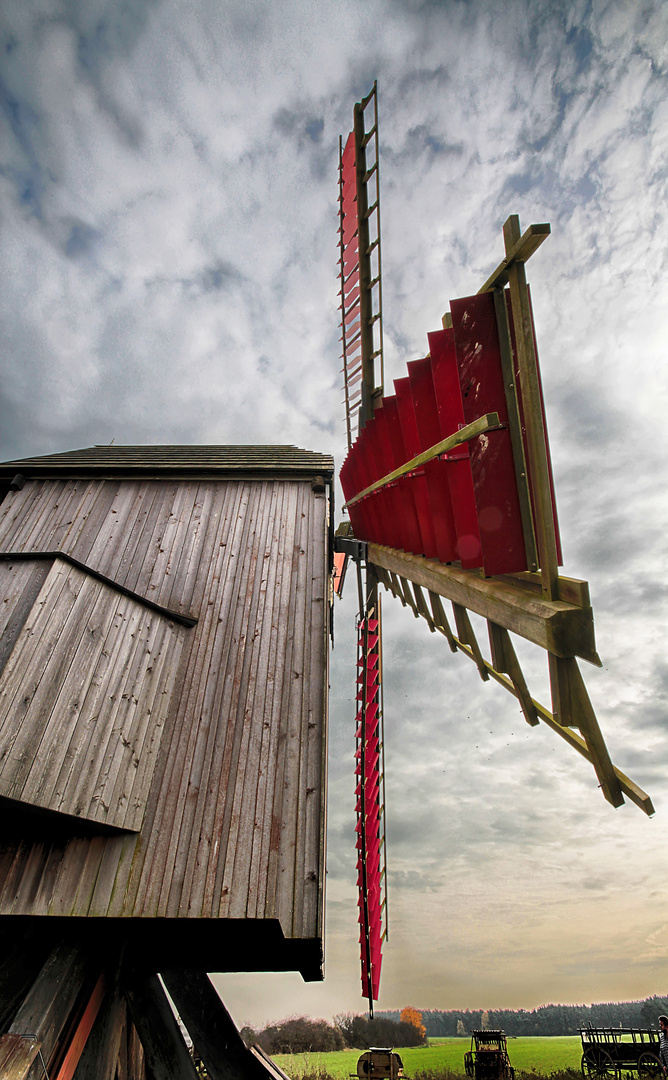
77,1040
101,1052
211,1028
135,1057
166,1053
515,428
466,634
571,707
44,1014
504,659
533,413
23,953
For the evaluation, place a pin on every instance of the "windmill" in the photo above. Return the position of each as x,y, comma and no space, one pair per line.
450,496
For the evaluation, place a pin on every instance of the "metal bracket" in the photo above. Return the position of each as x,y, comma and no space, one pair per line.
355,549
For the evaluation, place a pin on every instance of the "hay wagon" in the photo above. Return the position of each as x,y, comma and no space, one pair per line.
488,1057
609,1052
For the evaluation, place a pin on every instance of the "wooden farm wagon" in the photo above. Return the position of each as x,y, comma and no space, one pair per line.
488,1057
613,1051
164,619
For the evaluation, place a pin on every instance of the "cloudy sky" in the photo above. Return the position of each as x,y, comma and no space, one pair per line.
168,238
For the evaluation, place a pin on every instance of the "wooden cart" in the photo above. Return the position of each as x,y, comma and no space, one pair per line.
488,1057
611,1051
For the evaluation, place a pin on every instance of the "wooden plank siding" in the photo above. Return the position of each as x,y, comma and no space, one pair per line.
83,700
211,740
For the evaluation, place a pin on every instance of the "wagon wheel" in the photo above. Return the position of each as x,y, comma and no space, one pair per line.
468,1063
649,1066
598,1063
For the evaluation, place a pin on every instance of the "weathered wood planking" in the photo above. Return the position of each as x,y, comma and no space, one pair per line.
234,819
20,584
84,698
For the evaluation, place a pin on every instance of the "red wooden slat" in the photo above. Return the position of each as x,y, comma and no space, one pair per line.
417,481
491,456
436,472
403,491
451,417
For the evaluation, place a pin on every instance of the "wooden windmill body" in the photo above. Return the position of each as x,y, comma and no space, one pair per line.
163,691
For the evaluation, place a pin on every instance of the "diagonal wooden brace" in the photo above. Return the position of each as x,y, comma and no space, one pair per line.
504,659
441,620
571,707
466,634
422,607
408,596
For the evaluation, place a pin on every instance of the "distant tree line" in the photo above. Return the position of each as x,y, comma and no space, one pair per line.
301,1034
545,1020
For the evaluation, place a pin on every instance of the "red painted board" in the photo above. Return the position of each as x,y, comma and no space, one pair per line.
491,456
451,418
363,508
349,227
518,384
418,482
436,472
384,498
404,494
351,295
393,508
349,148
367,475
347,484
351,260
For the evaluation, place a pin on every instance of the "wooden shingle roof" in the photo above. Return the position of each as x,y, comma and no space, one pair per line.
194,460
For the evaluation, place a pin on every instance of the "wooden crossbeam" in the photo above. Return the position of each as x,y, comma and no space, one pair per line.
561,628
570,590
484,423
521,249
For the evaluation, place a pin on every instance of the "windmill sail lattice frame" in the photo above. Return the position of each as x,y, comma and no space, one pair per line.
448,483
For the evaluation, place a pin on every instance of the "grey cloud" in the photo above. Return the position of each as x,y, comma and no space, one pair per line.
81,240
303,127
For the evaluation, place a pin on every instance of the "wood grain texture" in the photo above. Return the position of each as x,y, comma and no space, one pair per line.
83,700
211,741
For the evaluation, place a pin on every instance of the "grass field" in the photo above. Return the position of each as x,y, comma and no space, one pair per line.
526,1055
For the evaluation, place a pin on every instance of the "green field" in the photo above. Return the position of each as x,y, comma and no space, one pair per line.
526,1055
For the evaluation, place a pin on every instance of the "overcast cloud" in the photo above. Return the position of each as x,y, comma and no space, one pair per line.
168,243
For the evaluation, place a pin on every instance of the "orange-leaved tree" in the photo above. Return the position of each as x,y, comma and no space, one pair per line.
412,1016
